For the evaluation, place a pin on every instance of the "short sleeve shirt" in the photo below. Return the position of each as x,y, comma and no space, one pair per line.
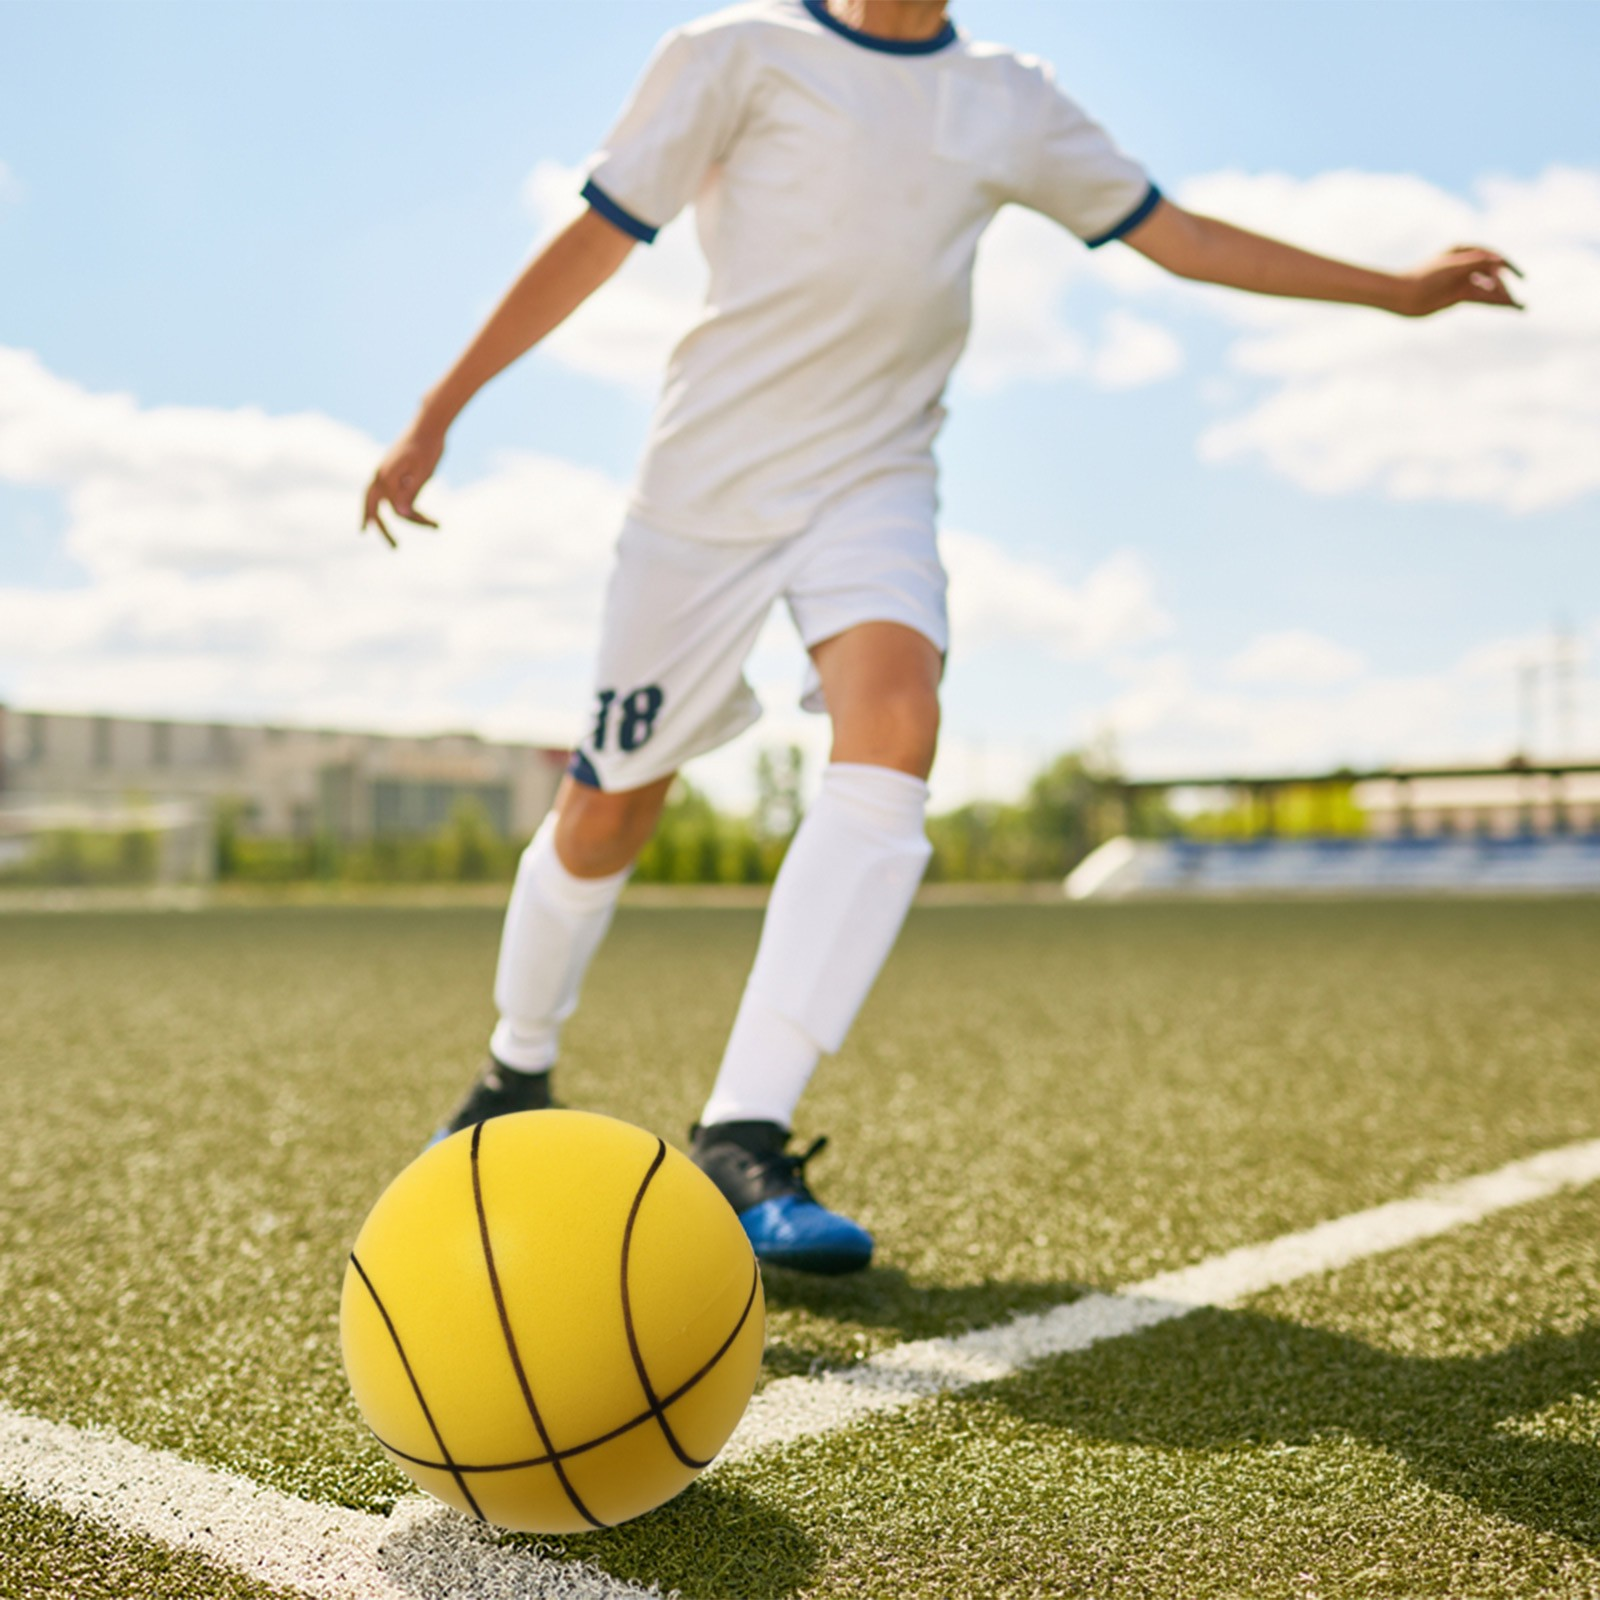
841,183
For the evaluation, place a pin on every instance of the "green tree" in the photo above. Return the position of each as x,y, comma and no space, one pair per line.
138,855
1062,815
676,851
1071,806
780,775
469,848
226,820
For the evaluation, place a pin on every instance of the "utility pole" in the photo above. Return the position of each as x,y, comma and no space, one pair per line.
1527,707
1564,664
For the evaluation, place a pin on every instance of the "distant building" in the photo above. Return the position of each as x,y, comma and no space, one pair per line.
284,782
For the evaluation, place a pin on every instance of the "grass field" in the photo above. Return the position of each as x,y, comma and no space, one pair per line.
201,1107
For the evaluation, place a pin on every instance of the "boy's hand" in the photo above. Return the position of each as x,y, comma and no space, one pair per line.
1465,273
400,477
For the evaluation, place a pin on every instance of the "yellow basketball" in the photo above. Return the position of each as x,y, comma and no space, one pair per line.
552,1321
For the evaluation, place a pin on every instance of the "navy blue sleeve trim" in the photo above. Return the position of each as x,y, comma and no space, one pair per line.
616,216
582,768
1152,198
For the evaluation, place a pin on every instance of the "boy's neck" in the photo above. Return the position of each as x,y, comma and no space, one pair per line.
891,19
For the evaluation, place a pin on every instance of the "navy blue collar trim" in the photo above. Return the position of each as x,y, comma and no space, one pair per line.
874,41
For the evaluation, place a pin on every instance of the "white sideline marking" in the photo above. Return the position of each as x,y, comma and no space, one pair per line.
325,1552
800,1408
424,1551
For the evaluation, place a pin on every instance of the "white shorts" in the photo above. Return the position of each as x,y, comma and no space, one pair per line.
682,617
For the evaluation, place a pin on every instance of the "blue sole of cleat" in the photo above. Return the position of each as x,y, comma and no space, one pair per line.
786,1231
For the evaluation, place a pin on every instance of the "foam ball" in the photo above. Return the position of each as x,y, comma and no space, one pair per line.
552,1321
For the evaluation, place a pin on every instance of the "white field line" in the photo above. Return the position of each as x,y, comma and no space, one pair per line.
325,1552
799,1408
424,1551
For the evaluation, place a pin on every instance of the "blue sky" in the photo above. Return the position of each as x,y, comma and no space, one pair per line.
1233,538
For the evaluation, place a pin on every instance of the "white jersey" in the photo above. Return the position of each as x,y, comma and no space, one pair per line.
841,182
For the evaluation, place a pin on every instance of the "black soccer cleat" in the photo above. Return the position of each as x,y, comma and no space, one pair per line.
498,1090
766,1186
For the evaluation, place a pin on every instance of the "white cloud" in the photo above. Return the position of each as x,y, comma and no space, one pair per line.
221,573
1174,717
1476,404
1019,332
1135,352
970,768
1026,329
1473,405
998,598
1294,658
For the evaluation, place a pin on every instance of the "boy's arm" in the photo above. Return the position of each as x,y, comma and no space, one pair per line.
553,285
1209,251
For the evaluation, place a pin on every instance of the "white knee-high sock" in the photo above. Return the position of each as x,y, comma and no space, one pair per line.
836,909
554,925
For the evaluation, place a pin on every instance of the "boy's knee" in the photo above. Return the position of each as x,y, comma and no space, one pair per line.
598,833
912,725
898,728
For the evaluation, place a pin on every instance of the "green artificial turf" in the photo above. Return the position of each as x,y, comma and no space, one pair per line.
1422,1424
47,1555
201,1108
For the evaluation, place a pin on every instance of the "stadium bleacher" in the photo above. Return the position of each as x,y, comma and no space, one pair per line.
1542,864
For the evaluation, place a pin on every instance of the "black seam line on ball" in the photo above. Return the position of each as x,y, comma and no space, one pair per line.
604,1438
657,1410
511,1341
446,1465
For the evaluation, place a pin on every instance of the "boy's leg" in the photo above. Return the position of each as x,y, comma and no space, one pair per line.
680,619
836,909
567,886
566,890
